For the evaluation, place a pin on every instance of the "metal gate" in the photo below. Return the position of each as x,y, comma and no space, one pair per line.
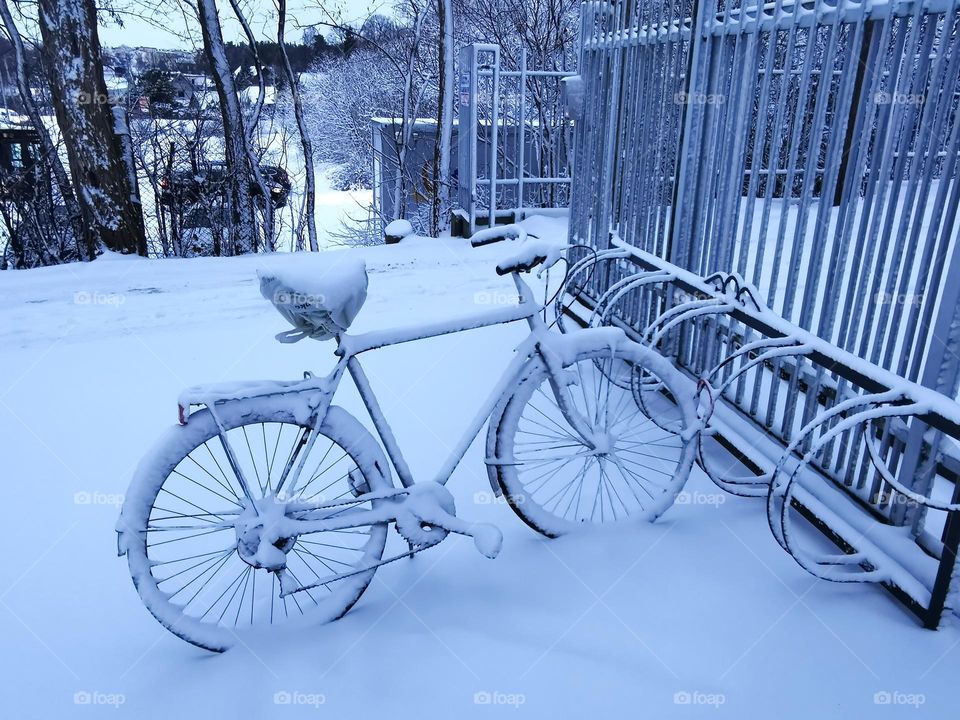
514,139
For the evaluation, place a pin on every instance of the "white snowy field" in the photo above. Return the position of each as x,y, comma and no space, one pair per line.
701,614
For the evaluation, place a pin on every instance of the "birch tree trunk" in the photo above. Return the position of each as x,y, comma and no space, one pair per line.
305,143
241,223
408,120
251,134
445,106
104,182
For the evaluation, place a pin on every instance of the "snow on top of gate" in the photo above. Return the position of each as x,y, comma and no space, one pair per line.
320,296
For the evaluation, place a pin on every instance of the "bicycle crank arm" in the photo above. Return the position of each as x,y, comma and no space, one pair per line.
427,515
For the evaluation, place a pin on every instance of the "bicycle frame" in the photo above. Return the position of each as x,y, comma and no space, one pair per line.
428,504
538,342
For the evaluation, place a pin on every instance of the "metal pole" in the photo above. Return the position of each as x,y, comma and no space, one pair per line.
674,245
473,138
494,136
523,127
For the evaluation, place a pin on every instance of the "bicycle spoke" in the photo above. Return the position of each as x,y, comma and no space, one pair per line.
631,480
243,429
236,620
549,419
218,566
623,473
319,465
170,492
647,467
174,515
577,493
170,528
226,481
196,565
165,542
214,492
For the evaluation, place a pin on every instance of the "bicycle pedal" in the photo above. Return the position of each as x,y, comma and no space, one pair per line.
487,539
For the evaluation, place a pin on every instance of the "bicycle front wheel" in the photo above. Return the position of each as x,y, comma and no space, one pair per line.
181,514
556,481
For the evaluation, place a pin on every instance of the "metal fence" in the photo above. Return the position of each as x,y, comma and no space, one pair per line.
812,148
514,139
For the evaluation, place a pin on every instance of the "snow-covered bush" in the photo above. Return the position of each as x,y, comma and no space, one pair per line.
343,95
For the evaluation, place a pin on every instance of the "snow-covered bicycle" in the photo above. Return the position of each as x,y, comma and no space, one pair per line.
270,504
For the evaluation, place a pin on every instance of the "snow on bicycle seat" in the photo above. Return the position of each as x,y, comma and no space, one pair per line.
320,296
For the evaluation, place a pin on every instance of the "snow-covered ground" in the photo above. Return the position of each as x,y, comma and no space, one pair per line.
700,614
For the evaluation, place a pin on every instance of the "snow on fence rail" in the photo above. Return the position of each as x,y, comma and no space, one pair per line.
812,149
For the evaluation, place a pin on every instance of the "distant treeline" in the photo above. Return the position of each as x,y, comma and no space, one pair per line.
302,56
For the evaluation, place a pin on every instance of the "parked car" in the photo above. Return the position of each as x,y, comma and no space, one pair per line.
186,187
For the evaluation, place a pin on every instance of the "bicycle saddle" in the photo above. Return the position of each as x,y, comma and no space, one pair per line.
320,296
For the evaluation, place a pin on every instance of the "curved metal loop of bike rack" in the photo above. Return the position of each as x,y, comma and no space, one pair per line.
781,485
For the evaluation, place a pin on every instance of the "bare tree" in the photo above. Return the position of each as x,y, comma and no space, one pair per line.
241,223
51,157
310,215
103,175
251,125
397,57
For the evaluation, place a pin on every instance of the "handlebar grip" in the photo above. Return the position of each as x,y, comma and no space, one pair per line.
480,242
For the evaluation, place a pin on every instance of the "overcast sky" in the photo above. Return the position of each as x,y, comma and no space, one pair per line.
168,28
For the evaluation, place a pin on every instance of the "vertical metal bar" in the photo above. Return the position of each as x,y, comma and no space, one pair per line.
522,130
947,567
494,135
474,139
676,247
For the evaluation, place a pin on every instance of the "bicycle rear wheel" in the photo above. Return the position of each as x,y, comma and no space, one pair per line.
180,517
